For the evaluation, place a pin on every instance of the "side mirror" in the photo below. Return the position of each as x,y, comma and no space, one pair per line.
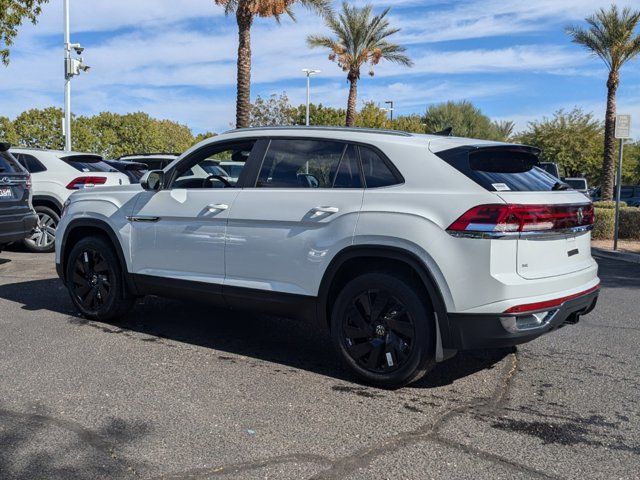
153,180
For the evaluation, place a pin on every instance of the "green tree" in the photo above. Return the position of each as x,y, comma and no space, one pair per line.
276,110
12,14
504,129
359,38
372,116
38,128
203,136
466,120
318,115
610,36
572,139
409,123
245,12
7,131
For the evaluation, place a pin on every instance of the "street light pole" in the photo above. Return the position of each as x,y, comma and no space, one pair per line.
72,67
67,80
309,73
390,103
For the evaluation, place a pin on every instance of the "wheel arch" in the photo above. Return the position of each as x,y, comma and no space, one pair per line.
79,228
47,201
384,255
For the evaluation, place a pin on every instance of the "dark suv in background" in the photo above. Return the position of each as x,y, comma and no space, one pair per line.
17,217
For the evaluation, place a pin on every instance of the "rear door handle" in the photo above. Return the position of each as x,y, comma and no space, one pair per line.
143,219
329,210
216,207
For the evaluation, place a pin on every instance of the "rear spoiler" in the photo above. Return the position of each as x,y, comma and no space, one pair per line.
4,146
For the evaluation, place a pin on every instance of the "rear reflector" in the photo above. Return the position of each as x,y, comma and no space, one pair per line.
502,218
86,182
549,304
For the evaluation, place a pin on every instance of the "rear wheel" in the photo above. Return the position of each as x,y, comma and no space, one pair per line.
44,236
383,329
95,280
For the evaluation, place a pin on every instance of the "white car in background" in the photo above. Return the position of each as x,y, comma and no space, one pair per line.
406,247
55,176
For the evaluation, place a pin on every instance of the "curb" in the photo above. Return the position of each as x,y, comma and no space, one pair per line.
613,255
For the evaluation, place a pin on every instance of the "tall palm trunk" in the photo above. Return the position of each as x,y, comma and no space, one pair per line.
609,164
353,100
243,99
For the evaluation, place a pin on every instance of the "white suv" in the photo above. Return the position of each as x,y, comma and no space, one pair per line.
408,247
55,176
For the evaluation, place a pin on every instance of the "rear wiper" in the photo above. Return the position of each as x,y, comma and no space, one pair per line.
560,186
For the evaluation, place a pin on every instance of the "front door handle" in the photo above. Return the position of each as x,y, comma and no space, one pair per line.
216,207
329,210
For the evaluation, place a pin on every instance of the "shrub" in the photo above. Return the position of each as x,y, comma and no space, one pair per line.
608,204
604,224
630,223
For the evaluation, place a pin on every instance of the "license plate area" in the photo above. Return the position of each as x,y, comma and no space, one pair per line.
551,257
6,192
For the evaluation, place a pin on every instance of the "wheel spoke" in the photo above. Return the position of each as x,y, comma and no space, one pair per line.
361,349
373,361
101,265
363,304
400,327
357,333
379,305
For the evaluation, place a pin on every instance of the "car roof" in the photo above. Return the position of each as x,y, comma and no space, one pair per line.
163,156
57,153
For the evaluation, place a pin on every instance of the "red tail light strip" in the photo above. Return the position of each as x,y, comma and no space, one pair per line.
505,219
549,304
86,182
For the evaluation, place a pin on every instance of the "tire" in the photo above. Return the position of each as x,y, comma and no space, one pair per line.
43,240
384,330
95,280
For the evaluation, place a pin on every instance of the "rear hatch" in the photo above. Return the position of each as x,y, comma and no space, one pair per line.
14,188
549,221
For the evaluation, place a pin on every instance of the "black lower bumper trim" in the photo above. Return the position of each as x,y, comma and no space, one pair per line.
472,331
18,228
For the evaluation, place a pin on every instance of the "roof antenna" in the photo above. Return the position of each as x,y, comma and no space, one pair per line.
445,133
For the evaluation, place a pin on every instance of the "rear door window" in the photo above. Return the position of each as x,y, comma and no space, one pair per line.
88,163
502,169
31,163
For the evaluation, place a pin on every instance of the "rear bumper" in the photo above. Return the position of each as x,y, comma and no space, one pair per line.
471,331
17,227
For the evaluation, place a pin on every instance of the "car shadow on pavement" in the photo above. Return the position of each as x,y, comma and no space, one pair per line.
619,274
287,342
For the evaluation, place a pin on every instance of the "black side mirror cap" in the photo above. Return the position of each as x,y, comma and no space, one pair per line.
153,180
4,146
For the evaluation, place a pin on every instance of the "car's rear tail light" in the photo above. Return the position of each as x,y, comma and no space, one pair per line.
549,304
523,218
86,182
29,184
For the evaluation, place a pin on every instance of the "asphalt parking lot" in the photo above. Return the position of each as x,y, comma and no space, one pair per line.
180,391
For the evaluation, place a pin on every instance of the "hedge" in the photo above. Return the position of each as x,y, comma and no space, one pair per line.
605,222
608,204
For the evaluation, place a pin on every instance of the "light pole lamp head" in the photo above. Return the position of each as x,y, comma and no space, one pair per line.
310,72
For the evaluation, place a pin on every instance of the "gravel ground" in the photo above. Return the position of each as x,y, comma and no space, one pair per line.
179,391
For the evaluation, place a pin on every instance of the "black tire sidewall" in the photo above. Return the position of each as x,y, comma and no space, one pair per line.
30,245
116,303
422,355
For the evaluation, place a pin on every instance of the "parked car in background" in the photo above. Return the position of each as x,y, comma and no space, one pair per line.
406,247
579,184
630,194
17,217
551,168
55,176
153,161
133,170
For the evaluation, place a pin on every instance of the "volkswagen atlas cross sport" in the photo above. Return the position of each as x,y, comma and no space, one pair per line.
407,247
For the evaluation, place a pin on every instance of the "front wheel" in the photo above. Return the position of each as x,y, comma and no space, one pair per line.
44,236
95,280
384,330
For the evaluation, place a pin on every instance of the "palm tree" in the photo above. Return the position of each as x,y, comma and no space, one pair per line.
359,39
610,36
245,12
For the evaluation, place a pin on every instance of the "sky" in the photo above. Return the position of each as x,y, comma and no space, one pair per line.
176,59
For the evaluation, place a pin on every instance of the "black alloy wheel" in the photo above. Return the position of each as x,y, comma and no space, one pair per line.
92,280
378,331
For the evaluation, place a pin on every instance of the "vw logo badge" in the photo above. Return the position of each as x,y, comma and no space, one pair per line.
580,215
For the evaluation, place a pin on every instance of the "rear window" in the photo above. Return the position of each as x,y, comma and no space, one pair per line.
8,163
502,170
88,163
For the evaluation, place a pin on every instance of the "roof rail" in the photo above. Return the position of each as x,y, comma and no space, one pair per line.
148,154
380,131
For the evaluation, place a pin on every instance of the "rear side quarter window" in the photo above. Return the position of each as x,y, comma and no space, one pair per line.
378,172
